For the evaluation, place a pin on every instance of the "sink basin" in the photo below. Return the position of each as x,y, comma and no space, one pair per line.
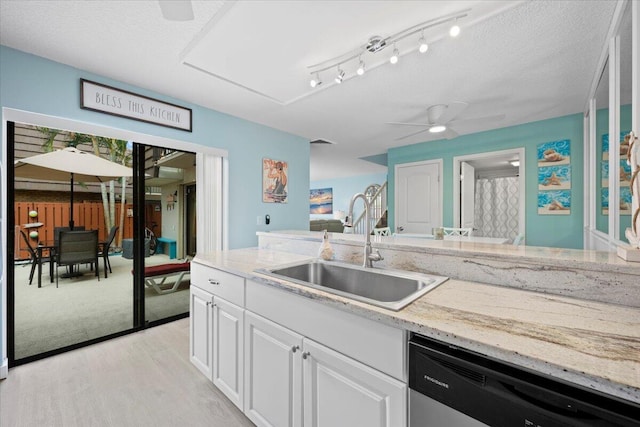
391,289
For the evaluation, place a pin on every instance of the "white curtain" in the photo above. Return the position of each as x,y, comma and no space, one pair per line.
496,207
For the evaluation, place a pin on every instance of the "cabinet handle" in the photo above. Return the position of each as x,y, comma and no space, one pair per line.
306,354
215,305
214,282
295,348
209,303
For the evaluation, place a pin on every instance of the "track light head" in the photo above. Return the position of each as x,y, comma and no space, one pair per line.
360,70
315,81
454,31
394,56
423,45
340,76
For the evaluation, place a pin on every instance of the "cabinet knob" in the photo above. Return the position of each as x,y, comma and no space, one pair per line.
214,282
209,303
306,354
295,348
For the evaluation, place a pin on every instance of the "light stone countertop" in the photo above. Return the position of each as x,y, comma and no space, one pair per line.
589,343
603,261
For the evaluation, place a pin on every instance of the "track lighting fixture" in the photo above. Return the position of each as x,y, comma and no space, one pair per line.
395,55
454,31
360,70
423,46
377,44
340,76
315,81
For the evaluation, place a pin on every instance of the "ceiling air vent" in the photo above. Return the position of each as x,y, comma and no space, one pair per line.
320,141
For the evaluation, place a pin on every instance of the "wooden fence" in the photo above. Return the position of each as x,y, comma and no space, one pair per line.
51,215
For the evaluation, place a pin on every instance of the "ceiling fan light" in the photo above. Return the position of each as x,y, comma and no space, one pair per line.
454,31
360,70
437,129
394,57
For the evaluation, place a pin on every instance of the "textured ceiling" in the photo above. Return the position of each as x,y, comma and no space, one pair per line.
527,61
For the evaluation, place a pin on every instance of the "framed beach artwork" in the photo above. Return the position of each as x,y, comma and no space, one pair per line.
624,145
625,173
555,202
554,177
554,153
321,201
625,201
275,181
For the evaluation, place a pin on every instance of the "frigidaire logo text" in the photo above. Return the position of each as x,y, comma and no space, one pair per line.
435,381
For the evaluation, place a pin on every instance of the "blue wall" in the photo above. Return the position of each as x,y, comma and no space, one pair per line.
541,230
345,188
35,84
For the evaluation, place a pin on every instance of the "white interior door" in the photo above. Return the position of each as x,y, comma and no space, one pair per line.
418,197
467,194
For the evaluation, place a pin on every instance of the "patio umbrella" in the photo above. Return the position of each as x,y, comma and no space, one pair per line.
70,164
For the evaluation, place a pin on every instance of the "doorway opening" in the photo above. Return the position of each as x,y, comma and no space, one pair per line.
489,193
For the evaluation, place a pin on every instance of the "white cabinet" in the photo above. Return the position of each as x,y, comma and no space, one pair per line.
339,391
216,344
228,349
201,336
273,382
282,367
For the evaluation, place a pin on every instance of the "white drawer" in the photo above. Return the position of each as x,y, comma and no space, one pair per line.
217,282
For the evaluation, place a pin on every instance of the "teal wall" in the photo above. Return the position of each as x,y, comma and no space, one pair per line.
345,188
541,230
37,85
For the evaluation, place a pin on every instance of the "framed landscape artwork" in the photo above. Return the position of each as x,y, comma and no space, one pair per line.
321,201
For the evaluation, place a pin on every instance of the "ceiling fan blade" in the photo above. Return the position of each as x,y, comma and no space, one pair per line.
477,120
176,10
407,124
451,112
450,133
412,134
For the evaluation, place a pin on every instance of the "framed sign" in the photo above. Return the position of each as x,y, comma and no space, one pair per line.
117,102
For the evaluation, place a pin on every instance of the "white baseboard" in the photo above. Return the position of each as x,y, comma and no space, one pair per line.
4,369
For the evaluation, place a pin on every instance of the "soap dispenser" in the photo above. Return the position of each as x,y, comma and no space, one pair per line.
326,252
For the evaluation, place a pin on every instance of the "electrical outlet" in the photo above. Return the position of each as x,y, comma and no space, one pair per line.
259,220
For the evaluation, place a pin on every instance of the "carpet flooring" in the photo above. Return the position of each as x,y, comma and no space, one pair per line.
83,308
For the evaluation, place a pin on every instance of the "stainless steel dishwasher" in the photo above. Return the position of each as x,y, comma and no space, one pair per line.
452,387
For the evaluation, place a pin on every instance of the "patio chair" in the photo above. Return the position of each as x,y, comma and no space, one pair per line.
33,254
77,247
103,249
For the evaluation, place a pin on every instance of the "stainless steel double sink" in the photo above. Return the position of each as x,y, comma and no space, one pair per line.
390,289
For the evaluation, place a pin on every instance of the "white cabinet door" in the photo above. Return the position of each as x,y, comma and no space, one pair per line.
272,373
340,392
201,324
228,349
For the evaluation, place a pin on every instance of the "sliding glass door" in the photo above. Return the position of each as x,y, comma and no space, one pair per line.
56,304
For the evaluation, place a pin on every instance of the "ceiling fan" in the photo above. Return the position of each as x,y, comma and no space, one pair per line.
440,120
176,10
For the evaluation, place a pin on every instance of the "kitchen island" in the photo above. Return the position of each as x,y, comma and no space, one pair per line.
589,343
